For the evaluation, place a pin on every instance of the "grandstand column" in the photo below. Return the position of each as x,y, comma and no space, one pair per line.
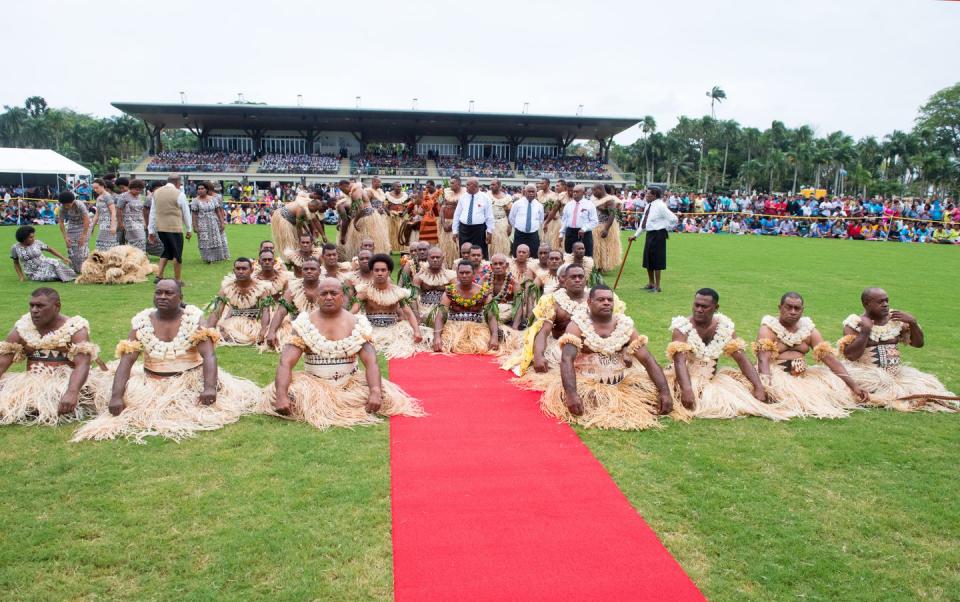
309,138
465,141
361,137
257,136
514,142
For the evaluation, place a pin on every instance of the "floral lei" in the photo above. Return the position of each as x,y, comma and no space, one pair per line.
320,345
160,350
562,298
506,290
887,332
608,345
57,339
467,302
791,339
722,336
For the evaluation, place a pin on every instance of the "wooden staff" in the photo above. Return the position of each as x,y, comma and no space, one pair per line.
623,263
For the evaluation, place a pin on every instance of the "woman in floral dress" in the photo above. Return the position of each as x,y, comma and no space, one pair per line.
209,222
106,217
29,262
130,206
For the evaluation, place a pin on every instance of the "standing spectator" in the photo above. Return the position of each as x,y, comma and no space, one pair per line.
74,223
130,214
106,217
155,247
657,221
578,220
474,217
209,222
526,217
169,216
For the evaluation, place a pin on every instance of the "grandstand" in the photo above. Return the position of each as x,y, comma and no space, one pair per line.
311,144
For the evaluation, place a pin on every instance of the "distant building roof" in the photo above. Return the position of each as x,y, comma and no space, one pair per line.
376,125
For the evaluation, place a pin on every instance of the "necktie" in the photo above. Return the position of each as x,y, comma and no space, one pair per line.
470,212
576,213
529,216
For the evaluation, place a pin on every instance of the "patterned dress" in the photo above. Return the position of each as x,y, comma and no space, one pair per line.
37,267
155,249
73,222
106,239
213,242
133,226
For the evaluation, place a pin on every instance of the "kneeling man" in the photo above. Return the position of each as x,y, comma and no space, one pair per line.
57,385
330,391
180,391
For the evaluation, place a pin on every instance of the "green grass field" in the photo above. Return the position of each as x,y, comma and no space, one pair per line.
859,509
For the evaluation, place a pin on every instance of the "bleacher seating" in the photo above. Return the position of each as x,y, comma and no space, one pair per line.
481,168
583,168
316,164
389,165
187,161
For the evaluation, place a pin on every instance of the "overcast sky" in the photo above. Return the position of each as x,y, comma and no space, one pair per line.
863,66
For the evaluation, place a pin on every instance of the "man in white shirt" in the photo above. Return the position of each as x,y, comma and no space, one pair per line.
657,221
579,218
473,218
169,216
526,218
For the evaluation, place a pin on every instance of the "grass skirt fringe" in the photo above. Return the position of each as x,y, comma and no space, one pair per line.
451,250
396,222
887,388
722,396
396,341
170,407
373,226
323,403
630,405
500,241
238,331
284,233
607,251
466,338
551,234
817,393
537,381
33,397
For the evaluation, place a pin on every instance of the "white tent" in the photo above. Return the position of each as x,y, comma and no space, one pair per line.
38,161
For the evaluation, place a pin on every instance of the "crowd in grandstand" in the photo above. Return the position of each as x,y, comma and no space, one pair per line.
320,164
186,161
389,165
481,168
577,167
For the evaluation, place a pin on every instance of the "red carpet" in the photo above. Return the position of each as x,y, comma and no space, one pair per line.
494,501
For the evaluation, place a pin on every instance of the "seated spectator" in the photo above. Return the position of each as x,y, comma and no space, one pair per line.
389,164
279,163
186,161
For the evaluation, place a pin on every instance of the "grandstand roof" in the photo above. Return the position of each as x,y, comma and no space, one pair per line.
376,124
38,161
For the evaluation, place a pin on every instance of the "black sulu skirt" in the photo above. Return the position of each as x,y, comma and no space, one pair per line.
655,250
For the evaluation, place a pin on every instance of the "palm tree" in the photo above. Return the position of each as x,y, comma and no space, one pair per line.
728,132
648,126
716,95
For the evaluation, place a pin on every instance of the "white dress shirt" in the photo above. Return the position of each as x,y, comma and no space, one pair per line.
518,215
482,211
586,215
184,214
658,217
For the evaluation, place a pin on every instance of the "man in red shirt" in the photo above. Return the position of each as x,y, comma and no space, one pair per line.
854,231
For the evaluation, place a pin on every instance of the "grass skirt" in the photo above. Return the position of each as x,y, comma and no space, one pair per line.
724,395
607,251
500,241
283,232
325,403
238,331
466,338
396,222
551,233
531,379
373,226
630,405
887,388
817,393
451,251
32,397
170,407
396,341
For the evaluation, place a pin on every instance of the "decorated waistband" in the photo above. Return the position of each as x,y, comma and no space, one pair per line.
466,316
382,320
431,297
251,312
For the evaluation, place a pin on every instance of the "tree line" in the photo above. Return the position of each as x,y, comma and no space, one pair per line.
719,156
697,154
